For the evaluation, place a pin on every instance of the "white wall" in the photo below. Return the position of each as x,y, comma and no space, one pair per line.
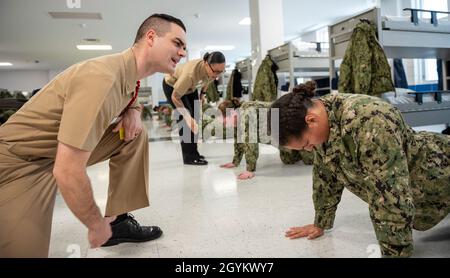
267,29
28,80
309,37
155,81
53,73
23,80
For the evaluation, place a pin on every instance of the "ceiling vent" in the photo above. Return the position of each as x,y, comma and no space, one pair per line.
75,15
91,40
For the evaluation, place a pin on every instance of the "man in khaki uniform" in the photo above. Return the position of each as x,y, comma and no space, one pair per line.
72,123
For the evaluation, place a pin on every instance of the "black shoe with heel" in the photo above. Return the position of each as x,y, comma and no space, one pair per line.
197,161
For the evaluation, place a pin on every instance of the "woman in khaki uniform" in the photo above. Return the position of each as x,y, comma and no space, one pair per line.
180,89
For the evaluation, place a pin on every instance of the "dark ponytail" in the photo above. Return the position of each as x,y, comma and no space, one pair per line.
234,103
215,57
292,111
308,89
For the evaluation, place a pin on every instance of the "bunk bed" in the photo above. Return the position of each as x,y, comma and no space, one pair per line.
300,59
245,68
400,38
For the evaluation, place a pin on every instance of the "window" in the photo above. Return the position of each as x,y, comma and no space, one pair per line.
426,69
322,37
322,34
433,5
430,70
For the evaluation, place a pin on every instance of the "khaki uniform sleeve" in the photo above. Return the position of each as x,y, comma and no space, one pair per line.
87,112
136,103
386,177
327,193
183,84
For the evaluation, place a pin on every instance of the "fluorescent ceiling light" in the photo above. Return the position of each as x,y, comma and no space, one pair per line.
94,47
219,47
245,21
4,64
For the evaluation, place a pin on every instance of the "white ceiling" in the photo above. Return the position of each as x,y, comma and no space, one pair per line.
28,33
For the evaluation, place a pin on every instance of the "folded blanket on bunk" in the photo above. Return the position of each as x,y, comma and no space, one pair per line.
404,96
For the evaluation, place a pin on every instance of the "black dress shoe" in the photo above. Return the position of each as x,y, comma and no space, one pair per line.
197,161
201,157
129,230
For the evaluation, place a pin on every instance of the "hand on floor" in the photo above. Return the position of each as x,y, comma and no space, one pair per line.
228,165
309,231
246,175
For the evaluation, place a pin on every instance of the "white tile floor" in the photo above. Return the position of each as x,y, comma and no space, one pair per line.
206,212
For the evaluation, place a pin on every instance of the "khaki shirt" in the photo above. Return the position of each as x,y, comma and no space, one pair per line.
75,108
188,76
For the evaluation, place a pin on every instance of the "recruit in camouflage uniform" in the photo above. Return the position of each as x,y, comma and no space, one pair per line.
210,122
165,114
207,119
212,95
265,88
6,113
365,69
403,175
250,147
229,94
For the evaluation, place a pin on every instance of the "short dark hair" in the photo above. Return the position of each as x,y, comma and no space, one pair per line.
158,22
215,57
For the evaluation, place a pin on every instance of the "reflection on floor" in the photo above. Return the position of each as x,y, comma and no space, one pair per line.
206,212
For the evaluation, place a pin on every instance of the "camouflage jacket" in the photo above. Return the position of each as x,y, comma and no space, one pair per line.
212,95
365,69
248,146
265,88
403,175
229,94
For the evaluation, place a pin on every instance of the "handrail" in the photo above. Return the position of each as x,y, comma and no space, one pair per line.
415,16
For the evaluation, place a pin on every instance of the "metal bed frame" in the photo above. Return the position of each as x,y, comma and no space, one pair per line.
402,39
313,63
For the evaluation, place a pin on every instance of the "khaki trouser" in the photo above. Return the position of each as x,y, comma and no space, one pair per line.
28,189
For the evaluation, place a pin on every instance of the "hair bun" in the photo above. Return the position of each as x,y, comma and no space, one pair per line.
206,56
236,102
307,89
